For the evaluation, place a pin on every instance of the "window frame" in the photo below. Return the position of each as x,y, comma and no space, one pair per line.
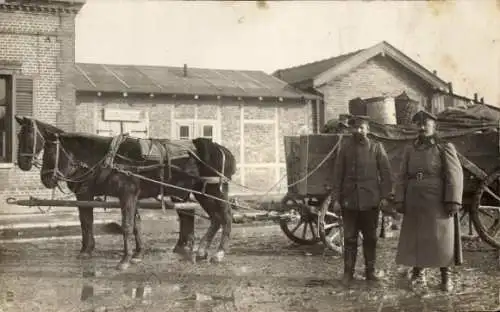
9,142
13,70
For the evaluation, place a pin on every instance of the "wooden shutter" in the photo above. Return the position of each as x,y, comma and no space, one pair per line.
24,96
23,105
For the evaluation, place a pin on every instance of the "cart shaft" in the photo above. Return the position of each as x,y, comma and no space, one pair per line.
37,202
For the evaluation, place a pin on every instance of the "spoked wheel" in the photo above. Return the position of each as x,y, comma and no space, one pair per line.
302,229
485,210
330,227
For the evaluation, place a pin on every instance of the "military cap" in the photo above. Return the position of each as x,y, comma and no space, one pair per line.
343,120
421,116
357,120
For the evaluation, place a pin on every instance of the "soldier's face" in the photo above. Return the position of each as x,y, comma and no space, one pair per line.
427,127
361,129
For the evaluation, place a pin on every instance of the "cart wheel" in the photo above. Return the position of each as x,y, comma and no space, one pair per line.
303,228
485,210
330,227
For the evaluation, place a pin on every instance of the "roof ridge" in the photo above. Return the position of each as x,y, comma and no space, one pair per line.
319,61
171,66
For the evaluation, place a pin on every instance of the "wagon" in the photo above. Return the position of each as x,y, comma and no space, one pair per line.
310,160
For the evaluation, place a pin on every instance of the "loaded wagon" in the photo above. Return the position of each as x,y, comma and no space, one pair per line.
310,161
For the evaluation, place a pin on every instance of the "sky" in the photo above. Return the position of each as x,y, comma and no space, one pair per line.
459,39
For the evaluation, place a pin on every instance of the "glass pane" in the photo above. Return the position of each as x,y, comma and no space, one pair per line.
208,131
3,124
184,132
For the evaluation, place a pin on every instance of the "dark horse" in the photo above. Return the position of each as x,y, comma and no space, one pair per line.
76,158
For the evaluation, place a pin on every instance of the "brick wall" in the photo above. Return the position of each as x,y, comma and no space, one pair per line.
262,160
43,42
376,77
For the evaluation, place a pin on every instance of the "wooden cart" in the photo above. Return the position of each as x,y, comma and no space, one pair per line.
309,161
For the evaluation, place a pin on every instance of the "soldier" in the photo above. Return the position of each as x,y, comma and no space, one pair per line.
362,183
428,193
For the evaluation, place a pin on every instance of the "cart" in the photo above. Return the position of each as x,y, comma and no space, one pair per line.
310,160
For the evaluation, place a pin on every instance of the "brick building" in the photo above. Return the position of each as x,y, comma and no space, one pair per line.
247,111
380,70
37,51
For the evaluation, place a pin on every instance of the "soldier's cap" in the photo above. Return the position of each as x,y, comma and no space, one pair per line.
421,116
343,120
357,120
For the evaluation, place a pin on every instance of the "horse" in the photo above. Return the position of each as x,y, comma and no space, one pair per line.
87,182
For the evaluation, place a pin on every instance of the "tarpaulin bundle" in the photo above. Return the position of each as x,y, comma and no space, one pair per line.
452,122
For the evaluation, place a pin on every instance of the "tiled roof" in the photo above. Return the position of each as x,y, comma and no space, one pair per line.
171,80
308,71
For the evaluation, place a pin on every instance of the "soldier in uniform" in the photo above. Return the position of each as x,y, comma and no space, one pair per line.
429,194
362,183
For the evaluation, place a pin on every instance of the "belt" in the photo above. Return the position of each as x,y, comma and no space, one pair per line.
421,175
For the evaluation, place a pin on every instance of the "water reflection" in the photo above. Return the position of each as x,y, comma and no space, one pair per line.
139,292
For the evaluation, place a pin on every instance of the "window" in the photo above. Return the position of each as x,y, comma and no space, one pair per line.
208,131
189,129
184,133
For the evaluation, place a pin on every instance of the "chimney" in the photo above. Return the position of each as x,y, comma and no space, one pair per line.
482,100
475,97
185,70
434,72
450,86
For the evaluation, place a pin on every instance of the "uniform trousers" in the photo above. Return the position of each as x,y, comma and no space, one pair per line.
366,222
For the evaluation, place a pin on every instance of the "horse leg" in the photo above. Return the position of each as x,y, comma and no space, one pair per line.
86,215
128,200
185,242
139,245
224,213
208,205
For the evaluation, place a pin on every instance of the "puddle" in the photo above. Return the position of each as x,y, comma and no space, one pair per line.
317,283
140,292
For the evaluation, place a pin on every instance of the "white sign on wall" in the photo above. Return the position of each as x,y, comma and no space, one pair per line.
116,114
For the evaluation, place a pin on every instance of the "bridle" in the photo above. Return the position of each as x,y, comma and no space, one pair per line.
75,164
35,156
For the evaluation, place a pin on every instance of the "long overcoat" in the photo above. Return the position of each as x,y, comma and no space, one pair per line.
430,176
362,174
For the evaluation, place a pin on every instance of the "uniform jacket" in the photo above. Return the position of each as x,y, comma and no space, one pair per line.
430,176
362,174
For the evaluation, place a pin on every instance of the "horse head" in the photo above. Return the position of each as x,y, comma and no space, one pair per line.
31,141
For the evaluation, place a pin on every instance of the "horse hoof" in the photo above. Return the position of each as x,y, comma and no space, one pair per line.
122,266
84,256
137,257
218,257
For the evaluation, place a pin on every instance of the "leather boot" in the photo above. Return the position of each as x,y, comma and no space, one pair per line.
418,276
446,284
349,265
369,252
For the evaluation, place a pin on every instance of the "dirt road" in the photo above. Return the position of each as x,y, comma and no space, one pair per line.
262,272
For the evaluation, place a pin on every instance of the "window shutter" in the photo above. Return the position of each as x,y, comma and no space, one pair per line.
23,105
24,96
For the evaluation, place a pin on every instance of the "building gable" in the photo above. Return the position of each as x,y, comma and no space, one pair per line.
319,73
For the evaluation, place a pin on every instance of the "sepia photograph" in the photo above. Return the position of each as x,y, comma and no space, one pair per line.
253,156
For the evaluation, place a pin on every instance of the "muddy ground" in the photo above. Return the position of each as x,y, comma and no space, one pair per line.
262,272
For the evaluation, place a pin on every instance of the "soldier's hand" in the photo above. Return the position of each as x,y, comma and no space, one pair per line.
451,208
386,207
384,204
336,207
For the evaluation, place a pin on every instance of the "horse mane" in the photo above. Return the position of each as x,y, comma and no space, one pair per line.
45,126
